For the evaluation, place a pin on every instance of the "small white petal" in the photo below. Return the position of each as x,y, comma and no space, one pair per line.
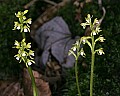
23,54
29,46
18,27
74,48
25,30
24,17
82,53
100,53
29,63
30,22
101,39
32,54
16,43
83,41
17,58
97,22
94,33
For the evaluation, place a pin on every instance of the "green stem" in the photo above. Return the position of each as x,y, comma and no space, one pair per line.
92,67
23,34
76,74
35,93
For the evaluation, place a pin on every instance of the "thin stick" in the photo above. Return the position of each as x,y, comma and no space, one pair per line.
30,4
50,2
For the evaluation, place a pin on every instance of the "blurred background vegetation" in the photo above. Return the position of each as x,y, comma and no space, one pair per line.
107,74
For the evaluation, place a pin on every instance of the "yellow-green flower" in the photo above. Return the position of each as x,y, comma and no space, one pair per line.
23,24
101,39
100,51
24,52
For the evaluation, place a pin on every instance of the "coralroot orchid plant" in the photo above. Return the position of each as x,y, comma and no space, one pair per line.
76,50
25,54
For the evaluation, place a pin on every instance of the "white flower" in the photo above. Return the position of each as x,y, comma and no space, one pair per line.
97,22
29,63
74,48
28,45
18,27
100,51
83,41
101,39
30,22
23,54
25,30
17,58
82,53
24,17
16,43
94,33
32,54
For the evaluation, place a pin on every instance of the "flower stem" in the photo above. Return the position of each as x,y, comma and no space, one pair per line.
23,35
35,93
92,67
76,74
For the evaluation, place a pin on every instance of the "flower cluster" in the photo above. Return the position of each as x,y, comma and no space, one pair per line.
76,50
23,24
24,52
95,29
99,51
95,26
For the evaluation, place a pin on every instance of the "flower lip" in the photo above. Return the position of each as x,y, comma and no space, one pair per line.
32,54
82,53
17,58
97,22
16,43
29,63
23,54
100,51
83,41
101,39
74,48
94,33
25,30
30,22
18,27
